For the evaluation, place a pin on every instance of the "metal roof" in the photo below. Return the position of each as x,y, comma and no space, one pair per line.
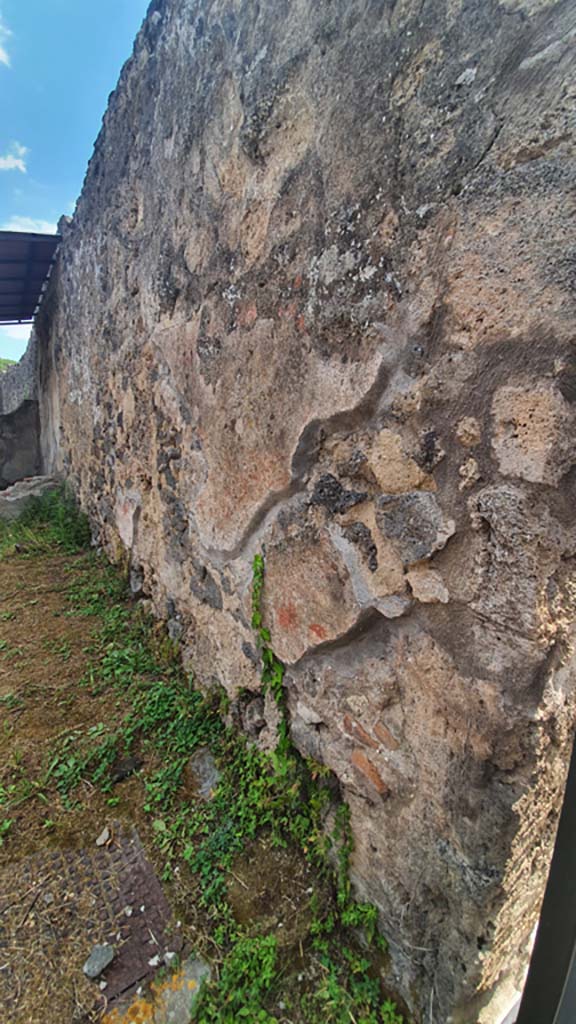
25,262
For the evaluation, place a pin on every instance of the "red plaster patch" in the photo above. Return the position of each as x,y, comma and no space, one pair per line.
385,736
370,772
353,728
287,616
318,630
247,315
289,311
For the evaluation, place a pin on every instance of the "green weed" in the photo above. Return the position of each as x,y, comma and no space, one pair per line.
50,521
5,826
246,976
11,701
279,795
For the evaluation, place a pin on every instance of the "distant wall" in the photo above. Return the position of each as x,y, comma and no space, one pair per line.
19,448
18,382
318,299
19,420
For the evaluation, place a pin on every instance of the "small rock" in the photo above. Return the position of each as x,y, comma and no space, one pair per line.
469,432
102,985
308,714
100,958
175,629
423,210
154,961
427,585
393,469
175,1003
48,898
205,771
415,524
104,837
136,580
128,911
328,491
125,768
252,714
470,473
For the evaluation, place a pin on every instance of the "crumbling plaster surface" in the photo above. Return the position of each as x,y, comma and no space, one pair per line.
317,299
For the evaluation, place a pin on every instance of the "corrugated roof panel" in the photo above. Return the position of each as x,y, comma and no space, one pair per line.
25,263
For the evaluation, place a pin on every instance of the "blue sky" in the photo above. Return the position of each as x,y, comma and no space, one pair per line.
59,61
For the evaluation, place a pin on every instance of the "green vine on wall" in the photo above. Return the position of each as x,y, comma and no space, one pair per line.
272,668
151,704
340,840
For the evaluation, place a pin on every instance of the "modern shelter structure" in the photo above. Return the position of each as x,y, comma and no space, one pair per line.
26,260
25,264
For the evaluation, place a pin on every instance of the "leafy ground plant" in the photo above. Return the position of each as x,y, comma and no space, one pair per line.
49,522
258,873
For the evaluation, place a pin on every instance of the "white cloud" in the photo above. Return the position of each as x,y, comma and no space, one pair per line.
16,332
5,34
41,227
14,159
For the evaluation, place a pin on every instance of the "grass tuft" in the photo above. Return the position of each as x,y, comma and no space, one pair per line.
155,711
51,521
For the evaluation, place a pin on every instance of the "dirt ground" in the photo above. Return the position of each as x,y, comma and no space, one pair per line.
44,657
54,879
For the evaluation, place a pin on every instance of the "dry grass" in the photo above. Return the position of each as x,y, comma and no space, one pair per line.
44,656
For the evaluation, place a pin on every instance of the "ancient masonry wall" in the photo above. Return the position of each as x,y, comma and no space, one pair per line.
19,421
318,298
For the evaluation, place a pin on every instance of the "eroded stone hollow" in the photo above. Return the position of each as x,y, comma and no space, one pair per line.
317,300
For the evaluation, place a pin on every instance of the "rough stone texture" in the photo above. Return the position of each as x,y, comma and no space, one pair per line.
19,421
318,298
534,433
170,1001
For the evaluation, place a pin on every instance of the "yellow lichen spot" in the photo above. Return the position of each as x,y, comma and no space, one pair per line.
140,1012
191,985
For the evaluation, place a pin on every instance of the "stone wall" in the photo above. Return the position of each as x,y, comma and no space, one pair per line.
19,447
19,422
317,299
